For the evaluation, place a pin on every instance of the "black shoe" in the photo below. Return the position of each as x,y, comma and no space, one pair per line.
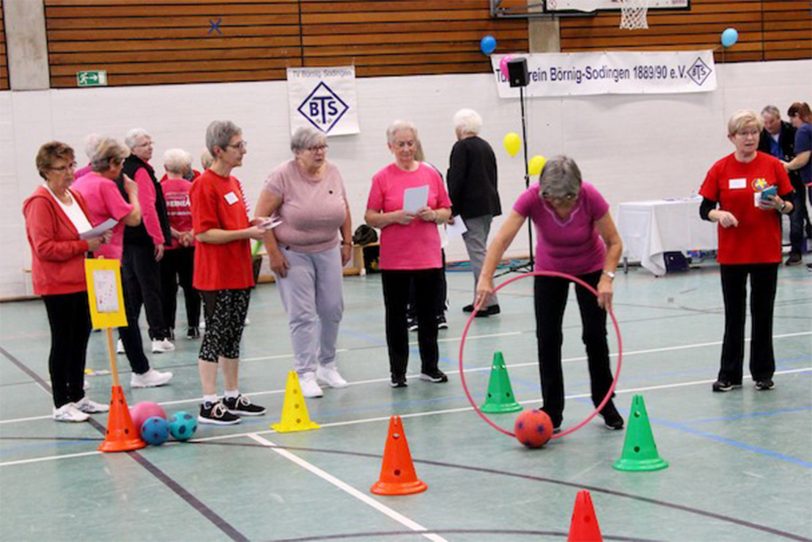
436,376
725,385
468,308
242,406
193,333
611,417
556,421
216,414
399,381
488,311
441,322
411,323
794,259
764,385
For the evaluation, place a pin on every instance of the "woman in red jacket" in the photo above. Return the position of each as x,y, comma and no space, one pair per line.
54,217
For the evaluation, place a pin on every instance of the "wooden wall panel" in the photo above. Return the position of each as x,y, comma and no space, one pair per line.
3,56
768,30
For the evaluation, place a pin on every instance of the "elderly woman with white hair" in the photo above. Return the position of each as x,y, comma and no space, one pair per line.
577,236
177,265
745,193
472,186
306,194
410,251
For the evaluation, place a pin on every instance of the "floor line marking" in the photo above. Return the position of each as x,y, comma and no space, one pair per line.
345,487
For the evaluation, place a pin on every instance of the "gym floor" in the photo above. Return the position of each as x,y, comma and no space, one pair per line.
740,463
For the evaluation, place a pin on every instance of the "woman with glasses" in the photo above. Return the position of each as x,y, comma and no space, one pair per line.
410,250
55,216
308,249
746,193
575,234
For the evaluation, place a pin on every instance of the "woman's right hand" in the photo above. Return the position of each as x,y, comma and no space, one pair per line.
130,186
484,289
726,219
279,265
94,243
402,217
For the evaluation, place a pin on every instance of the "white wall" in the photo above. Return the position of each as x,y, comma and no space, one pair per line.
631,147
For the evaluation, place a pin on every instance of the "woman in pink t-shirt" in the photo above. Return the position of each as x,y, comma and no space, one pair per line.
410,250
306,197
575,235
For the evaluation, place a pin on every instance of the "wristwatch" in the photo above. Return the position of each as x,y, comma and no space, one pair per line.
783,206
609,274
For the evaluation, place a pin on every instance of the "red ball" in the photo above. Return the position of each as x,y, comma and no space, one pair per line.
139,412
533,428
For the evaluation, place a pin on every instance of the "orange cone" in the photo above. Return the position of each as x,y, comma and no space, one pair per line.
397,472
122,435
584,526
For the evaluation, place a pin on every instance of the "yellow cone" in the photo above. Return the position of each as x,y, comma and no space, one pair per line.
294,409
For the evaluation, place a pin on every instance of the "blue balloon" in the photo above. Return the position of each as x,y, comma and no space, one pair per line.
488,44
729,37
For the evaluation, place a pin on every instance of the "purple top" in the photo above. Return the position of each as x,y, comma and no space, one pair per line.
568,245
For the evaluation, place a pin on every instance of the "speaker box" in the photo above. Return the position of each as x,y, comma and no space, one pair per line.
517,72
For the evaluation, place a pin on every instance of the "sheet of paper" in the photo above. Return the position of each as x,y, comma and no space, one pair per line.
99,230
457,228
415,199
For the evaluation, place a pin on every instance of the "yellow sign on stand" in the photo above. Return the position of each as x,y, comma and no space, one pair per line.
105,295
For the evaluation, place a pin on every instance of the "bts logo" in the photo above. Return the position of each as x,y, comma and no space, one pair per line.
323,108
699,71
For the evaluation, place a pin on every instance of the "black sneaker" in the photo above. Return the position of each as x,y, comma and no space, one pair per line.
216,414
411,324
611,417
764,385
436,376
794,259
399,382
441,322
242,406
725,385
193,333
488,311
468,308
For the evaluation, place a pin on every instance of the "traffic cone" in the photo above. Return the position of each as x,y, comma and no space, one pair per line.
639,450
584,525
122,435
294,409
500,394
398,476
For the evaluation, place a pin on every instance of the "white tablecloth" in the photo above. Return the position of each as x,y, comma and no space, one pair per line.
650,228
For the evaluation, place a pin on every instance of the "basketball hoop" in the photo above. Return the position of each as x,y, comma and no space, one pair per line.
633,14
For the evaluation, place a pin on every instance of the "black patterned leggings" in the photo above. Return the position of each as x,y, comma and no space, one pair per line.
225,319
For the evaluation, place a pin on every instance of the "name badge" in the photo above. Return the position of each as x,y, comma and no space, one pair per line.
231,198
736,184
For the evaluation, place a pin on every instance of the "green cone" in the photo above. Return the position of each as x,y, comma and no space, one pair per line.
639,450
500,397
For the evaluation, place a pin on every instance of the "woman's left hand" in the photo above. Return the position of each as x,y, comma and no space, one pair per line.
605,293
427,214
346,254
774,203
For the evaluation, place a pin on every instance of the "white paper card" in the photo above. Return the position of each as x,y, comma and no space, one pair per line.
415,198
457,228
99,230
106,293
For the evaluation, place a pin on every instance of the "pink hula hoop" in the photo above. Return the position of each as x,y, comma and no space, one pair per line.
617,368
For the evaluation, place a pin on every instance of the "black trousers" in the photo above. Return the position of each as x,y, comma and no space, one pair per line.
442,296
550,297
69,320
427,284
763,281
142,276
177,267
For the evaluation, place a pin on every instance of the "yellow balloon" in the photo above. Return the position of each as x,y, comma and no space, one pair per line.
536,164
512,143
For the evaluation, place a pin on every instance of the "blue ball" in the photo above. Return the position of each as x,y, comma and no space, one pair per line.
487,44
729,37
182,425
155,431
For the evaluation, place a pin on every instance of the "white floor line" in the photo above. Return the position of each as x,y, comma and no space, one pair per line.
48,458
343,486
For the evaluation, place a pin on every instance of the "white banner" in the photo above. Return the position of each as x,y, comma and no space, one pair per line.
324,99
581,74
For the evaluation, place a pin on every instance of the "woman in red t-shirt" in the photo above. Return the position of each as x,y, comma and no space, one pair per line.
751,190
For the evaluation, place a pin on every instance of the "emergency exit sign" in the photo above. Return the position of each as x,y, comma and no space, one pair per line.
96,78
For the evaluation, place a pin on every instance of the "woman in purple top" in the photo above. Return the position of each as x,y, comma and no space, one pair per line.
575,235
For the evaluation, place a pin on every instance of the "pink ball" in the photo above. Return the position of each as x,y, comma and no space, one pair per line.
139,412
533,428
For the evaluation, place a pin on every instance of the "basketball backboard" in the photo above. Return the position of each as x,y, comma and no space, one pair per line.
547,8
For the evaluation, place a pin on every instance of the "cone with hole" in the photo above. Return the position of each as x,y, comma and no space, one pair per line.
294,409
584,525
500,397
639,450
398,476
122,435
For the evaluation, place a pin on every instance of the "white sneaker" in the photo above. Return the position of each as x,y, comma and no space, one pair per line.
91,407
329,375
150,379
69,413
310,388
119,347
247,321
85,384
164,345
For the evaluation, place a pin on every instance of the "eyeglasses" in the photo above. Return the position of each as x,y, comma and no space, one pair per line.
65,168
751,133
404,144
242,145
569,196
317,148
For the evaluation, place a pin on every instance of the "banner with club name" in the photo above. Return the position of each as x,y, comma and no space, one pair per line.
626,72
324,99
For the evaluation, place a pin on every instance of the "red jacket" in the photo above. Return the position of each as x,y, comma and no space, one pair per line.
57,253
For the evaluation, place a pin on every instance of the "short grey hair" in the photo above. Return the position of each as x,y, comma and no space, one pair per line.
560,177
177,161
399,126
306,137
467,121
743,118
91,142
771,110
219,134
107,151
132,137
206,159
